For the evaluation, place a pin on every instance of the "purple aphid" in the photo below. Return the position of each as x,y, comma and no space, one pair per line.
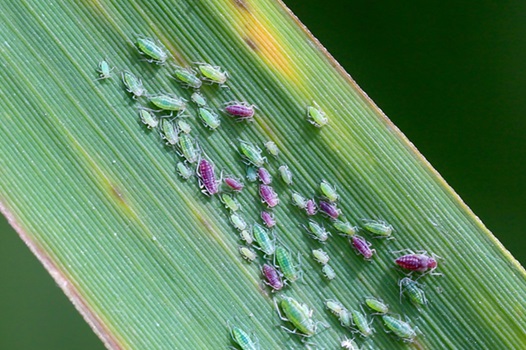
417,262
331,210
268,195
206,173
273,276
264,176
268,219
234,184
362,246
311,207
242,110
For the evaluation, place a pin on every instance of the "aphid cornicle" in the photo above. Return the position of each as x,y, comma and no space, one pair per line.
413,291
420,262
212,74
198,99
234,184
206,173
328,191
400,328
148,118
104,70
272,276
298,200
286,264
184,171
154,50
272,148
168,102
246,236
133,84
286,174
345,228
268,196
320,256
361,323
241,110
189,150
238,223
330,209
169,132
188,77
251,153
264,176
310,207
377,305
242,339
262,237
209,118
247,254
328,272
230,202
316,116
380,228
268,219
317,231
362,246
298,314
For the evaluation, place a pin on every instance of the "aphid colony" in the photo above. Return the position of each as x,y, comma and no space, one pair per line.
167,112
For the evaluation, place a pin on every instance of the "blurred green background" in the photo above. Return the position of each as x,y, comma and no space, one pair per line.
451,76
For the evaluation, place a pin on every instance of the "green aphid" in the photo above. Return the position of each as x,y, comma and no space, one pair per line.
247,254
317,231
252,174
328,272
246,236
188,77
286,175
298,200
168,102
189,149
148,118
401,328
251,153
334,306
272,148
262,237
320,256
413,291
238,222
169,132
377,305
184,171
210,118
286,264
104,70
345,318
212,74
184,126
316,116
380,228
230,202
328,191
198,99
242,339
299,315
344,227
133,84
361,323
154,50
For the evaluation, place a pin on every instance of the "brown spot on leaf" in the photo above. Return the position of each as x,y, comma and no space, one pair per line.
117,194
251,44
242,4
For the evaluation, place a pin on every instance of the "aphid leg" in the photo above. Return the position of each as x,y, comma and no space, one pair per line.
279,311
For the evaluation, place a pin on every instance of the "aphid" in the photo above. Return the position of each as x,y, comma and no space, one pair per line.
381,229
268,219
206,172
168,102
361,323
189,150
210,119
272,276
247,253
266,244
419,262
272,148
362,246
345,318
320,256
328,272
184,171
152,49
234,184
344,227
240,224
184,126
268,196
310,207
328,191
401,328
251,153
242,110
148,118
230,202
316,116
243,339
246,236
286,174
377,305
317,231
298,200
334,306
188,77
413,291
198,99
212,74
286,265
330,210
349,344
299,315
252,174
169,132
104,70
133,84
264,176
